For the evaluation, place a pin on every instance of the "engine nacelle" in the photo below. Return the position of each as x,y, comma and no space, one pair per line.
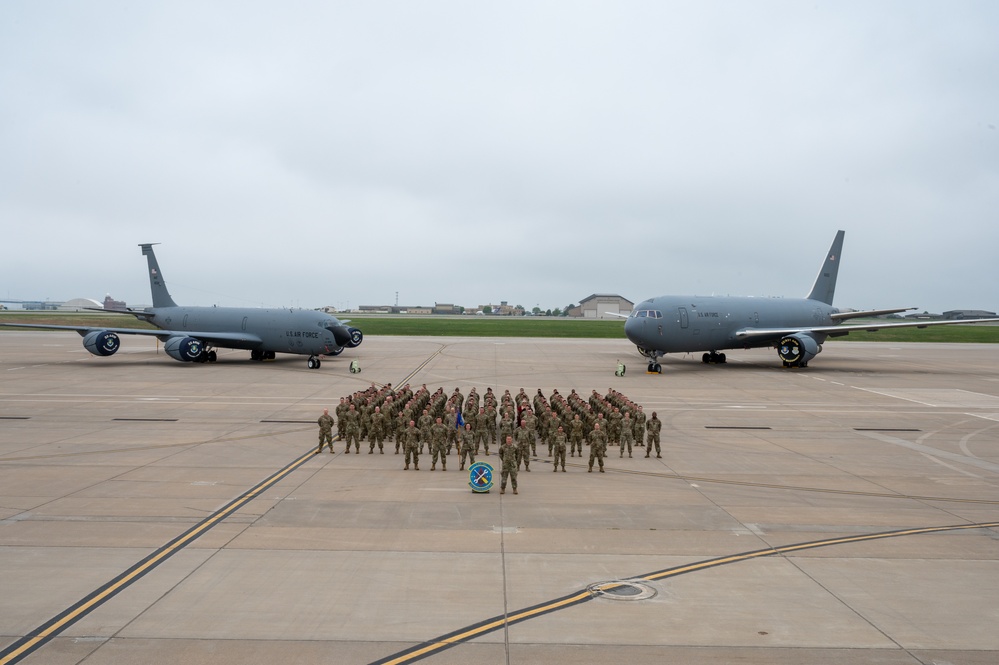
101,342
355,337
796,350
185,349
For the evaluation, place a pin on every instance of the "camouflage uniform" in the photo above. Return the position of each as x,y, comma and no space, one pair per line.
653,426
325,432
341,411
559,441
505,428
378,426
524,438
491,424
614,426
438,444
576,427
598,447
627,434
640,427
411,445
467,446
353,430
424,424
509,453
482,434
532,427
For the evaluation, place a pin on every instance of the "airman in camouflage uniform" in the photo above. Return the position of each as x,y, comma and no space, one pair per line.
524,437
341,411
353,429
614,425
467,445
411,445
509,453
528,418
627,434
424,423
576,428
438,444
558,445
598,447
506,427
325,431
640,427
378,429
482,434
491,423
653,426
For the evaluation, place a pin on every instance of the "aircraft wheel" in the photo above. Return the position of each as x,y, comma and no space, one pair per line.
256,355
721,358
657,368
212,356
313,362
706,358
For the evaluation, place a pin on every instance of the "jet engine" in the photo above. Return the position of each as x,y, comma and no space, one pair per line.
185,349
101,342
797,349
355,337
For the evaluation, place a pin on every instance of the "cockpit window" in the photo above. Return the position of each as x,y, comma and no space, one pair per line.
647,314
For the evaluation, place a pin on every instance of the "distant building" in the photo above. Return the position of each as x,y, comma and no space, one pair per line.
77,304
503,309
111,303
598,305
446,308
961,314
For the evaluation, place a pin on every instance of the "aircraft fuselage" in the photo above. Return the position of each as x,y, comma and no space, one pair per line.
304,332
682,324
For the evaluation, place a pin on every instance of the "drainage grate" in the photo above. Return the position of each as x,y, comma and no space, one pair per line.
621,590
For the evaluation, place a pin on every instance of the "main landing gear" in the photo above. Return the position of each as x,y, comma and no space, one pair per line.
314,362
655,368
713,358
261,355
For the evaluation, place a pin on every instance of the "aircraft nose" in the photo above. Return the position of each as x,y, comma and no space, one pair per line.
340,334
631,329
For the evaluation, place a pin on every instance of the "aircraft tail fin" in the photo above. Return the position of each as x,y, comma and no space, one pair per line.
161,297
825,282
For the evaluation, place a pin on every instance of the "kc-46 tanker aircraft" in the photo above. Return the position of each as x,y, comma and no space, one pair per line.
796,327
190,333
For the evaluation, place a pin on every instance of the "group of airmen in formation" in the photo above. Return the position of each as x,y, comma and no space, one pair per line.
416,420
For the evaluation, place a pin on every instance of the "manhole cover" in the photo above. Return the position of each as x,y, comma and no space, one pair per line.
621,590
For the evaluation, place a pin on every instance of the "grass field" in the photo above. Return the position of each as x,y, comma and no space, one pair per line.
488,326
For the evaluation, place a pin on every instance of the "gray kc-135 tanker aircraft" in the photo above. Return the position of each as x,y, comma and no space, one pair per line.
190,333
796,327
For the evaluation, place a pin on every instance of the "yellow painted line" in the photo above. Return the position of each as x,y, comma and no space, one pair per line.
70,616
522,615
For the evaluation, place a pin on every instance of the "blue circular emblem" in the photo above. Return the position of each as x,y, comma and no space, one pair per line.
480,477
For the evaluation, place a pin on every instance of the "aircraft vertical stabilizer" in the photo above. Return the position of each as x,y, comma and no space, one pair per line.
825,282
161,297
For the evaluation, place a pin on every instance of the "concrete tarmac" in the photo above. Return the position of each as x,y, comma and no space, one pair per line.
159,512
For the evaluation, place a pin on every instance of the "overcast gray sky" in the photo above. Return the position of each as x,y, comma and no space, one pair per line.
314,153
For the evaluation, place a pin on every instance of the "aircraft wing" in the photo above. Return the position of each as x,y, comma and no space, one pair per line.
214,338
835,331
